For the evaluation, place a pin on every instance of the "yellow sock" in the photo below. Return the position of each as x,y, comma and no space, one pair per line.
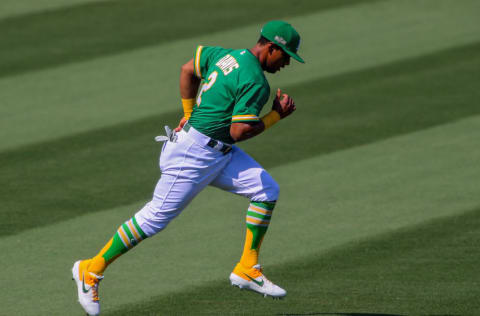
250,255
258,219
98,263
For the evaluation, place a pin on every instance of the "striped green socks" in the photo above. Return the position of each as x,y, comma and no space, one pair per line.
258,219
128,235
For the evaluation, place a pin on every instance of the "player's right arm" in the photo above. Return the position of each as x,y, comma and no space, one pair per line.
189,84
282,104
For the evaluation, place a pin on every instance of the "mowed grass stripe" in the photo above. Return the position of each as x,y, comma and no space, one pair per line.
77,33
325,202
11,8
83,96
429,269
377,103
116,166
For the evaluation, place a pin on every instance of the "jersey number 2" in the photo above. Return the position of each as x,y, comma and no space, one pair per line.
207,85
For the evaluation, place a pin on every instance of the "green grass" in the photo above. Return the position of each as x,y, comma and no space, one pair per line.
35,41
135,85
349,110
358,193
378,167
427,269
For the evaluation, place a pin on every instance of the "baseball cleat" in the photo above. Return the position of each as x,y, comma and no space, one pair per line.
87,286
254,280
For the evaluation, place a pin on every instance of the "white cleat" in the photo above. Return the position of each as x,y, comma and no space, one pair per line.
254,280
87,286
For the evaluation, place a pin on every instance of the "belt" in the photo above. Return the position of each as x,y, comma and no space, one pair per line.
205,140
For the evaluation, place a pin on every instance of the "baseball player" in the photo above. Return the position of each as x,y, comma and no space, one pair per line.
223,110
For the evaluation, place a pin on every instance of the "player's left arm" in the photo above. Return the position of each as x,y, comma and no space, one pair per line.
283,106
243,131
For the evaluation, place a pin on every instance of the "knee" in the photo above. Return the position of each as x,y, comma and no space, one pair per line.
270,191
152,219
274,191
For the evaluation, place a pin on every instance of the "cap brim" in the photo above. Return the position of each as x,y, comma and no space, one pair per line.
295,56
292,54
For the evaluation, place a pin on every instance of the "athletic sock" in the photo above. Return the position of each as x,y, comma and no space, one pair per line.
258,219
128,235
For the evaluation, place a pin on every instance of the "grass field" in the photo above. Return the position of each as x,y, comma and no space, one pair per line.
379,166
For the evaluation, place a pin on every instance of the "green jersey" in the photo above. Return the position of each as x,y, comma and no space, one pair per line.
234,89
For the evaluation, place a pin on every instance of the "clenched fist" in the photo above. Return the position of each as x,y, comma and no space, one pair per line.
283,104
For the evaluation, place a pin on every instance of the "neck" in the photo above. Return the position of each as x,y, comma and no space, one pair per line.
258,52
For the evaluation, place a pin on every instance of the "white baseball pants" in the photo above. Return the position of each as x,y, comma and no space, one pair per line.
188,166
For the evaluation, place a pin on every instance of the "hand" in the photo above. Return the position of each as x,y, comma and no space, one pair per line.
180,125
283,104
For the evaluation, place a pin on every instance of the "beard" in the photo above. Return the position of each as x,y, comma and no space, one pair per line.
271,69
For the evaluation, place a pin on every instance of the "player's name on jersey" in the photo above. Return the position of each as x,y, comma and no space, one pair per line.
227,64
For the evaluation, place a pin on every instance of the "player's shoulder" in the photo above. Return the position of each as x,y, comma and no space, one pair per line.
251,71
239,56
249,64
238,63
213,52
244,56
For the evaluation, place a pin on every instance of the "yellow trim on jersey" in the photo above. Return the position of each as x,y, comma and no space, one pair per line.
196,63
246,117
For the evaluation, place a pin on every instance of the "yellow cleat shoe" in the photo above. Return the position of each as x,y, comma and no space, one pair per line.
254,280
87,286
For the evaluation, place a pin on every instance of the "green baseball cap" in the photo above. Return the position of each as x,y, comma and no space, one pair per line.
284,35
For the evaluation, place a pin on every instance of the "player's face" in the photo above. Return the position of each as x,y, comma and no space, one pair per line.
276,59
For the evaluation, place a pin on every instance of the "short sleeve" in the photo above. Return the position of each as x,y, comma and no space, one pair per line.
203,58
250,101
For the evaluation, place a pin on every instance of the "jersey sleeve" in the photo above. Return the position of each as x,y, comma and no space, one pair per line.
250,101
203,59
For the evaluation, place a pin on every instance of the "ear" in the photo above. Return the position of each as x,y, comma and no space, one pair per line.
271,48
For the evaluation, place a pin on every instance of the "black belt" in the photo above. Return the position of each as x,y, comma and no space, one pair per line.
225,149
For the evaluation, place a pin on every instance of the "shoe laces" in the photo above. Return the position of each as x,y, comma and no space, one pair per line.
257,271
92,279
95,293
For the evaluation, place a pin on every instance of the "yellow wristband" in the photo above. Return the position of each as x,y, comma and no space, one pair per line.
188,107
271,118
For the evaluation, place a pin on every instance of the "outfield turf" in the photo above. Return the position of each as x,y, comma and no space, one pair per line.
378,168
377,275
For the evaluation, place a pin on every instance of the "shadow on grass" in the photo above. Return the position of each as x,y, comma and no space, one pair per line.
359,314
342,314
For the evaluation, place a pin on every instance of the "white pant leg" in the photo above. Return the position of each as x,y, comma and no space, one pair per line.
244,176
186,169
